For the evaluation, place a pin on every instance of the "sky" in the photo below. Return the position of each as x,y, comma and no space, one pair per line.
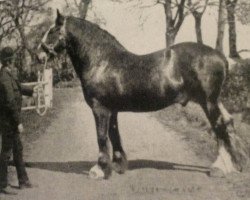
123,20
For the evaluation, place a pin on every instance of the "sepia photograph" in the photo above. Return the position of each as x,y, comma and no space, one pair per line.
124,99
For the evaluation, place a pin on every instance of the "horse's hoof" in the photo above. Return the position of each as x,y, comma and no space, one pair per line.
96,172
120,163
216,173
119,168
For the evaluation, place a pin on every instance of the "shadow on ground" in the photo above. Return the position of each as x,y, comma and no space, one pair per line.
82,167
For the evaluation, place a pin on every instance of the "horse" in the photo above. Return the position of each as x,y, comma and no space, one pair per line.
115,80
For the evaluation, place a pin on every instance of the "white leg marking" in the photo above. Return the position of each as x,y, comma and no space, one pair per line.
224,161
118,154
96,172
101,154
225,114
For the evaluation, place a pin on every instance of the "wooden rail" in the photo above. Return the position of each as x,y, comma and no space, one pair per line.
35,83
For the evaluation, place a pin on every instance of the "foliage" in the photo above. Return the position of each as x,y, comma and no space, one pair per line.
243,11
235,90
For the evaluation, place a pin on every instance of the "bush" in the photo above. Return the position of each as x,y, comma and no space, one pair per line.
235,90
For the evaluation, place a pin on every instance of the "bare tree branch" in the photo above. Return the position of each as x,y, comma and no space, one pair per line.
244,50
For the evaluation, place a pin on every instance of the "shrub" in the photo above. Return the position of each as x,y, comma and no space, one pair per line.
235,90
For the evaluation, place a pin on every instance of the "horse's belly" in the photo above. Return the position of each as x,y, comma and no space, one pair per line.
138,95
140,102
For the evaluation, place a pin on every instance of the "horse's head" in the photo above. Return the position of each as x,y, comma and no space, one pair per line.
54,41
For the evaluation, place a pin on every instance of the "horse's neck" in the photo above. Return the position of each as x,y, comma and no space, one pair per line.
91,39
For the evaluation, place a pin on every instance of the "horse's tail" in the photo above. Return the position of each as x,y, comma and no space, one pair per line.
226,68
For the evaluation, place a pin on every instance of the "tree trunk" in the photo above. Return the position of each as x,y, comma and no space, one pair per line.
173,24
232,28
24,48
24,44
197,18
83,8
170,33
221,26
170,38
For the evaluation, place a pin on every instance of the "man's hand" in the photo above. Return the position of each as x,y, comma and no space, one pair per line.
38,88
35,92
42,57
20,128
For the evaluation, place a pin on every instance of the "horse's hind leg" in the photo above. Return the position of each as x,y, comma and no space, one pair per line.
102,118
119,156
237,148
232,154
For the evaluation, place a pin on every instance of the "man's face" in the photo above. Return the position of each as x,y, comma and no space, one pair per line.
14,71
11,64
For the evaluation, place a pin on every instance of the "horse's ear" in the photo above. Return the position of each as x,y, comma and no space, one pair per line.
59,18
58,12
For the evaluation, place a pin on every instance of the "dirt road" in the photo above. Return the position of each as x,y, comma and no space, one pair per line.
161,165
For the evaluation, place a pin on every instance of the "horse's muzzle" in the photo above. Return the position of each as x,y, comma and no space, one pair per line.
49,50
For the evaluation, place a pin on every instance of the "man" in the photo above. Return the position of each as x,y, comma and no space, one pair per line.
11,92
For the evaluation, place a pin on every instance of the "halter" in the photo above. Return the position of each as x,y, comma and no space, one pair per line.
51,48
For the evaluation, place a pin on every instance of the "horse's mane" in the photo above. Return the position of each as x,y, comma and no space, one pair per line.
97,33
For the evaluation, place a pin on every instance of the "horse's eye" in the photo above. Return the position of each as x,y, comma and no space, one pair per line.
51,32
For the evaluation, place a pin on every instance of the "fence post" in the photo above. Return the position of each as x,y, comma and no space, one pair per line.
48,89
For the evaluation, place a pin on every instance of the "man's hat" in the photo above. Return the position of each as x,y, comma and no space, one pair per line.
6,53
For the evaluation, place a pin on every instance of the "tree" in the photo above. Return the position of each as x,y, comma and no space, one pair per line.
82,7
19,14
174,16
197,11
231,5
221,25
173,21
243,11
84,4
6,25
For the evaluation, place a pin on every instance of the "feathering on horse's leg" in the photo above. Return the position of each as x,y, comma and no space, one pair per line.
119,157
223,164
226,161
102,118
238,147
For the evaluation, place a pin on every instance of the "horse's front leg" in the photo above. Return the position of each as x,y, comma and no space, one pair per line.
102,118
119,156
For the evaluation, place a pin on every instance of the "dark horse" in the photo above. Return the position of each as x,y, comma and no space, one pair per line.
116,80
